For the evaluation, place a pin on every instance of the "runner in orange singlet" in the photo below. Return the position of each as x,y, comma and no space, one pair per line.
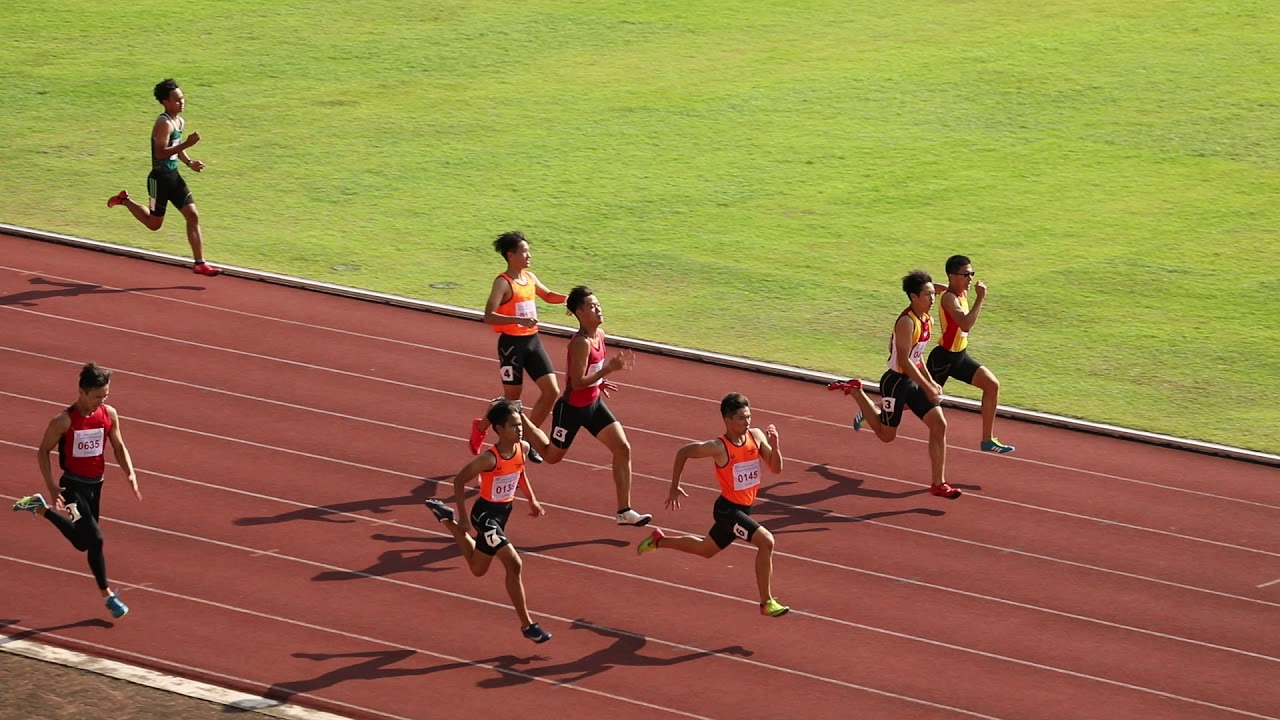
80,434
501,472
513,312
950,358
741,454
906,384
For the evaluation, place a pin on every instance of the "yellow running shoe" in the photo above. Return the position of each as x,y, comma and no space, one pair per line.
773,608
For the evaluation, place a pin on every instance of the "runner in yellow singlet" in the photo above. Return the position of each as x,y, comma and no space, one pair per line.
950,358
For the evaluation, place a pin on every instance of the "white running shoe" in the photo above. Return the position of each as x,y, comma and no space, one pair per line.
631,517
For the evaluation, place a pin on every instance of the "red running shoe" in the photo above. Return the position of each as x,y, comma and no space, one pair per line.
847,386
944,490
204,268
115,200
476,441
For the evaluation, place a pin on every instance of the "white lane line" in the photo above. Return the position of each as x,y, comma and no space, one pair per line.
899,528
505,608
762,409
1266,584
234,700
733,658
982,497
380,522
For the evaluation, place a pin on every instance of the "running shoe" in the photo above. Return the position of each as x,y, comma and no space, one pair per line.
440,510
535,633
858,421
944,490
30,503
534,457
476,441
117,608
773,608
650,543
115,200
204,268
631,517
995,446
847,386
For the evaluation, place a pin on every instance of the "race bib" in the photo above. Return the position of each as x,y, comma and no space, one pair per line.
917,354
595,367
526,308
504,487
87,443
746,474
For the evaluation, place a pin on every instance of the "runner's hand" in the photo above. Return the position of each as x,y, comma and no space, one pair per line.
196,165
624,360
673,499
527,322
133,481
536,509
771,434
193,138
981,290
607,388
933,392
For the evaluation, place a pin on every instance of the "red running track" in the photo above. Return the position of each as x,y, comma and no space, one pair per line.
286,439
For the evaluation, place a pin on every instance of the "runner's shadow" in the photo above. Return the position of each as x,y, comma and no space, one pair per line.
608,542
625,651
377,666
785,511
26,633
394,562
335,512
31,298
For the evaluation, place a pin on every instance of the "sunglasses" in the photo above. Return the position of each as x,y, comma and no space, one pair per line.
968,274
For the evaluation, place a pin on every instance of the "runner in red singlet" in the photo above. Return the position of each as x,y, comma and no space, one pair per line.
583,406
80,435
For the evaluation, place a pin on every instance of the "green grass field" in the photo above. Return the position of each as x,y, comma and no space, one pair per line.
750,178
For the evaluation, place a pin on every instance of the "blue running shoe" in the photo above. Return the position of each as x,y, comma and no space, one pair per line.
30,503
858,422
535,633
995,446
117,608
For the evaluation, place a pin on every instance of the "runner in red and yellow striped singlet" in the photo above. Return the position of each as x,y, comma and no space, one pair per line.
742,453
905,384
501,473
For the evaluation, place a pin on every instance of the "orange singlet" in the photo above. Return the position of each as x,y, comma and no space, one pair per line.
523,303
740,477
499,484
